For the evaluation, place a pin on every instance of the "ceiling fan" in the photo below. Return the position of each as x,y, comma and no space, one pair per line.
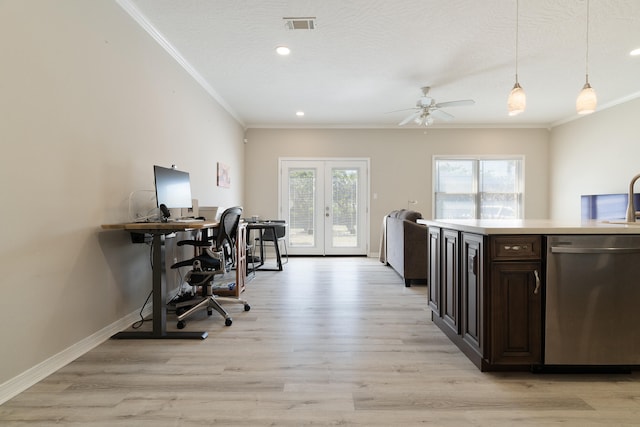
427,109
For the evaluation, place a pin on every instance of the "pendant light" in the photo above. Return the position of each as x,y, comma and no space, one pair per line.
587,100
517,101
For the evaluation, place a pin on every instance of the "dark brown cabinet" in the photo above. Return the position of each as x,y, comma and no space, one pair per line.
472,291
434,270
515,301
449,279
485,294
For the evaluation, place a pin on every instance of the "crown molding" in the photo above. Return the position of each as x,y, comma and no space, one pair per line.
142,20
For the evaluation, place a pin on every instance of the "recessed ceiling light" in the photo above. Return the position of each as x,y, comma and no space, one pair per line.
635,52
283,50
299,113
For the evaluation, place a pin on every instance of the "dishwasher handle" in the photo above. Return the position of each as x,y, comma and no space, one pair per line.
602,250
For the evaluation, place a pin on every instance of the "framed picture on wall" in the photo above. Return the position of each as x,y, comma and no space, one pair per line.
224,176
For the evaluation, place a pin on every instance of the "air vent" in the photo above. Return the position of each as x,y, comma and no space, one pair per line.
304,23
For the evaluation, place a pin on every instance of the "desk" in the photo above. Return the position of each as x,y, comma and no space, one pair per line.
157,229
261,227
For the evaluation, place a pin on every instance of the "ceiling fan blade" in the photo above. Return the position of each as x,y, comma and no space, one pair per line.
409,118
439,114
456,103
404,109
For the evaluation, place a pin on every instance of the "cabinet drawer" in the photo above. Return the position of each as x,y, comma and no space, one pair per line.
515,247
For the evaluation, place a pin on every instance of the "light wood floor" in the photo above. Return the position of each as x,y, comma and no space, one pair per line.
336,341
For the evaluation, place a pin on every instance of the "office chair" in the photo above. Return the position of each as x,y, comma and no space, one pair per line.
215,257
277,239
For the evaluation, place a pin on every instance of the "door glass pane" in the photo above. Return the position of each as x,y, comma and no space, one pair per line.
344,185
302,185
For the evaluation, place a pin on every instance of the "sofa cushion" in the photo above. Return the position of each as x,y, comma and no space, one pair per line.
406,215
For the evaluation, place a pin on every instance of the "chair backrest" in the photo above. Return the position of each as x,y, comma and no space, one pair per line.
281,230
228,228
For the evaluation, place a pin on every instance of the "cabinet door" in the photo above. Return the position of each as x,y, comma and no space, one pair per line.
434,270
516,313
472,284
450,309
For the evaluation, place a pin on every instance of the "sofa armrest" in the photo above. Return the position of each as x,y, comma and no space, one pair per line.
415,250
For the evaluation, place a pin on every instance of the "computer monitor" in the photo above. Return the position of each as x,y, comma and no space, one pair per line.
173,188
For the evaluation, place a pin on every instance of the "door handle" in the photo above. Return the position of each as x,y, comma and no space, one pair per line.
537,289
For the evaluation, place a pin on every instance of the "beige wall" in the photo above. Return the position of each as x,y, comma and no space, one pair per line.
401,162
89,102
597,154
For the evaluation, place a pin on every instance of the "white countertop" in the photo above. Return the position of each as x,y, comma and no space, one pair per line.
533,226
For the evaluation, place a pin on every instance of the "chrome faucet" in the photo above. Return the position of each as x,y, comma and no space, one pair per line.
631,209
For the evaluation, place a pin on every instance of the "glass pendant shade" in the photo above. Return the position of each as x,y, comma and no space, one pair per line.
587,100
517,101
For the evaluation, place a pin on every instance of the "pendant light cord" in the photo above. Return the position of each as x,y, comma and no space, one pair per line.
517,27
587,53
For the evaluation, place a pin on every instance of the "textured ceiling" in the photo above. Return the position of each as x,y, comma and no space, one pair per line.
370,57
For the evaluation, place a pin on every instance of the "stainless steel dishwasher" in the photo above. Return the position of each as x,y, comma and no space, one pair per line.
593,300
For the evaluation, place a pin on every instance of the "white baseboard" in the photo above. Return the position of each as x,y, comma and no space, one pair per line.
28,378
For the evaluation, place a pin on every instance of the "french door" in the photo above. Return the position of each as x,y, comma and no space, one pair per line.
325,203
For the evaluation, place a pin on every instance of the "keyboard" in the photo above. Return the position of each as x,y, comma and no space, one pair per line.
187,220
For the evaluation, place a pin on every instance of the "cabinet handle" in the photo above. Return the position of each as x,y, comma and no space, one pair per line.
537,289
514,247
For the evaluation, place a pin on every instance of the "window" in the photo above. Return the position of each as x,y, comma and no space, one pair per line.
486,188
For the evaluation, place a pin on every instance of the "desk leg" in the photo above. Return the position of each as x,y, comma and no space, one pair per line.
159,305
262,253
261,263
159,291
275,242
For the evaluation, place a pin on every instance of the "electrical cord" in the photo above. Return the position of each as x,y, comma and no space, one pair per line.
140,322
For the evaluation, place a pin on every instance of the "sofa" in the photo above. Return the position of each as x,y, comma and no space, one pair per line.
405,246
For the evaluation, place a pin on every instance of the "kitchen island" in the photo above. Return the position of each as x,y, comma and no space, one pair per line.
535,294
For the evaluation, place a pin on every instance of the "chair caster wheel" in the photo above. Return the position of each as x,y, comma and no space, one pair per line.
181,324
247,307
228,322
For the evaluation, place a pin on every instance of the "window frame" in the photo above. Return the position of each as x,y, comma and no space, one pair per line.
477,179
